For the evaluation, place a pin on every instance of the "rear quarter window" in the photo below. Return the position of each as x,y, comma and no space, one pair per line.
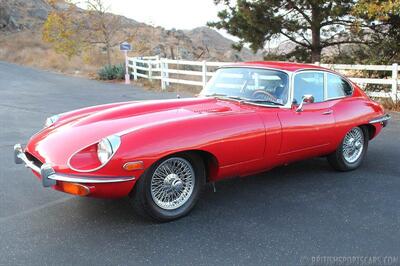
338,87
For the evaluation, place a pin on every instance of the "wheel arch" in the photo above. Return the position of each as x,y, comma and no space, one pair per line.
370,129
210,161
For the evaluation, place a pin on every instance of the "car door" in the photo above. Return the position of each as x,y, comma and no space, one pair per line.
346,109
307,132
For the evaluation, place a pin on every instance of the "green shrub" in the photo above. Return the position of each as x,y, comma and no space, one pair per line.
111,72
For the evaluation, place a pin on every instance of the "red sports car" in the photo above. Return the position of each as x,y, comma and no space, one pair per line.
251,117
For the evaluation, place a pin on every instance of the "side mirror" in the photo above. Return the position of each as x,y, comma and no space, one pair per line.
308,98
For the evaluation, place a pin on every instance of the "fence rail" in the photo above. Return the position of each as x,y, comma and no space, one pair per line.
197,73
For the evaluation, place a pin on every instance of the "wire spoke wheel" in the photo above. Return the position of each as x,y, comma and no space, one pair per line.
353,145
172,183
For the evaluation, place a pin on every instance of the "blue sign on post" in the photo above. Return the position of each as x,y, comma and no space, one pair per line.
125,46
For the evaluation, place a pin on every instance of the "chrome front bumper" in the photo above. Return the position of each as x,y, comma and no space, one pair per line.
50,177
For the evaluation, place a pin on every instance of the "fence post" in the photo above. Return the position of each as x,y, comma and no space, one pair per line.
204,73
127,75
166,69
134,64
395,73
162,73
150,74
157,57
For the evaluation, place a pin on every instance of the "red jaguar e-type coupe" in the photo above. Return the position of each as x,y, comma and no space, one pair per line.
251,117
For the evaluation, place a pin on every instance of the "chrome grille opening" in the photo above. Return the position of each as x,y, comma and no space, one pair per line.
35,160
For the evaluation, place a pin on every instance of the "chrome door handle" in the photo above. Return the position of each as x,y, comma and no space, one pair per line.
329,112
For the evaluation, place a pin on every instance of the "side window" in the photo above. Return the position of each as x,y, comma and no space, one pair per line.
309,83
338,87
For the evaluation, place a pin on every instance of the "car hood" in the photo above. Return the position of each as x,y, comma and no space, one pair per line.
57,143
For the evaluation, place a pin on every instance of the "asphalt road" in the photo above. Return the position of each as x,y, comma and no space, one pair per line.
282,217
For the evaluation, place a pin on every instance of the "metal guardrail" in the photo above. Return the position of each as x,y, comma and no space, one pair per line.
197,73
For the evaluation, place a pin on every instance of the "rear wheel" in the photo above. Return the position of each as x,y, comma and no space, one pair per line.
170,188
351,152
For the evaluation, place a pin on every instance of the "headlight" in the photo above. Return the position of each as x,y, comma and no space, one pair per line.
104,151
107,147
51,120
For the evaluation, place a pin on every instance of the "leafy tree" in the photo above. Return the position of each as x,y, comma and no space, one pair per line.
72,32
383,19
60,29
312,24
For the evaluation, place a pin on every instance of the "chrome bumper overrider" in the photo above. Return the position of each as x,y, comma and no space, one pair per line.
50,177
382,119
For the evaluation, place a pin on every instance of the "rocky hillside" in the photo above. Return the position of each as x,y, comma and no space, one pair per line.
215,43
17,15
21,21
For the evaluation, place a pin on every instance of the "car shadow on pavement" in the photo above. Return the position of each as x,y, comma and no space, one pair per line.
294,183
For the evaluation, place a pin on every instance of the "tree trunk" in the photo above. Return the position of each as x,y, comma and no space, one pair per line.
315,55
316,48
107,38
108,55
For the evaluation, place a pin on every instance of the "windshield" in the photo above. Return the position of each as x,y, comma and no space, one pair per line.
249,84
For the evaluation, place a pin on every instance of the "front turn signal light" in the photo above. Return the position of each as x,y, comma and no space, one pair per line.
131,166
75,189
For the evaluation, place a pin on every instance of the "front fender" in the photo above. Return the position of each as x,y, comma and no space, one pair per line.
230,138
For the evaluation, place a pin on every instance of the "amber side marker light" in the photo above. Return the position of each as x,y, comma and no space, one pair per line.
75,189
131,166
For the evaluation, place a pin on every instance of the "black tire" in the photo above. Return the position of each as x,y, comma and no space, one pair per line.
337,159
142,200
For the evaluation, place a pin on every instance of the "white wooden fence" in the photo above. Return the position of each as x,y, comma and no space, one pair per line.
197,73
392,80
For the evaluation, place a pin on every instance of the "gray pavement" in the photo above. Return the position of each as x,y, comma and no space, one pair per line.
282,217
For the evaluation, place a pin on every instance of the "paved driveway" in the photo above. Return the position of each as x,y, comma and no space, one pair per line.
282,217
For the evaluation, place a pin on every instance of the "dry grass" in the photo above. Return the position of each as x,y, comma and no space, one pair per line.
389,104
27,48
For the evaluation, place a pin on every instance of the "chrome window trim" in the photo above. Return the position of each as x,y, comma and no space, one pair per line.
292,75
325,72
288,104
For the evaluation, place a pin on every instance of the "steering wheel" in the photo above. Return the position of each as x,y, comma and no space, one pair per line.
263,95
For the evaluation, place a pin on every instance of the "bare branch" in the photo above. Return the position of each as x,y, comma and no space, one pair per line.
300,11
324,44
294,40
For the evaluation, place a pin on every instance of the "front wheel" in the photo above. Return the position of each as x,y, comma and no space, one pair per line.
351,152
170,188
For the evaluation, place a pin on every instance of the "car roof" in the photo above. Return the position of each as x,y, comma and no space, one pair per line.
287,66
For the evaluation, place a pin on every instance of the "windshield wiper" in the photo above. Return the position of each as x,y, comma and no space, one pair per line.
264,101
216,95
224,96
238,98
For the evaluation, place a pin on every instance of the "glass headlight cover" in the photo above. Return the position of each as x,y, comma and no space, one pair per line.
107,147
51,120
